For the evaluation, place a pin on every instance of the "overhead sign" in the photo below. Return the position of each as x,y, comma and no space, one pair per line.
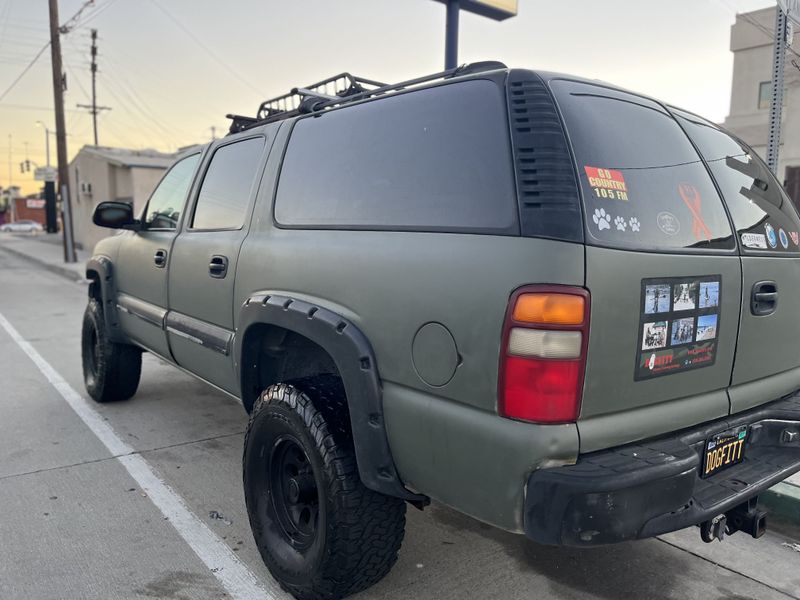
791,8
45,174
499,10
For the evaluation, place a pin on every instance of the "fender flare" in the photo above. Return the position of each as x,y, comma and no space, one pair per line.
355,360
100,270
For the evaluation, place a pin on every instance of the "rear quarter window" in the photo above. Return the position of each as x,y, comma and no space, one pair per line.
437,159
762,213
644,185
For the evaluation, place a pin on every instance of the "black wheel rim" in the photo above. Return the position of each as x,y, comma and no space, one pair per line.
295,497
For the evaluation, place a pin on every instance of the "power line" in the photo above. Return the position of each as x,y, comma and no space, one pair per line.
25,70
226,64
65,28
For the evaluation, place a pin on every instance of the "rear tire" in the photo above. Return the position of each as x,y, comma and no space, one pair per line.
321,533
111,371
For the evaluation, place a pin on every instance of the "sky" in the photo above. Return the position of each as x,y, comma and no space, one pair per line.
172,69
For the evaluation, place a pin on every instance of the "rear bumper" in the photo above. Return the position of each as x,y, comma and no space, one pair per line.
653,487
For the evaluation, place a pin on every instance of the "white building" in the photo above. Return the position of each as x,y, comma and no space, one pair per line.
98,173
752,39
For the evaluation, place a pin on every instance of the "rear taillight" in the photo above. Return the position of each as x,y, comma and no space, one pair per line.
543,354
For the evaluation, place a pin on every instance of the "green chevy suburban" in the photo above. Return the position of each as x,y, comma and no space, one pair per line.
562,308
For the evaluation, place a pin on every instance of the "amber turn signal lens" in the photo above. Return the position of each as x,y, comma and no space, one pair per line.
549,309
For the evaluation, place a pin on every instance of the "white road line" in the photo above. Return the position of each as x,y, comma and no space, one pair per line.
239,582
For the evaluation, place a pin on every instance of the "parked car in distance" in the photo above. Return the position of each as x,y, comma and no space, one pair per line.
22,226
562,308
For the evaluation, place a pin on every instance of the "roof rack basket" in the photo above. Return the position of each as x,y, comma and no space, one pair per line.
338,90
299,100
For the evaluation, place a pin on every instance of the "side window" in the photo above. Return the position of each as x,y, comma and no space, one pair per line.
644,185
228,182
435,159
165,205
762,212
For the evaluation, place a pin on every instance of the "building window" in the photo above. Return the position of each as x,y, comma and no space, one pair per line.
764,94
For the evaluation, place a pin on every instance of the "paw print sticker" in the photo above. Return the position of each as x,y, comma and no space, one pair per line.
635,225
620,223
602,219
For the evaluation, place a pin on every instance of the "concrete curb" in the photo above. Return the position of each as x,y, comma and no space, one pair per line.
57,269
783,501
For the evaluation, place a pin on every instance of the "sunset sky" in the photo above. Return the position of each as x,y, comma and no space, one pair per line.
172,69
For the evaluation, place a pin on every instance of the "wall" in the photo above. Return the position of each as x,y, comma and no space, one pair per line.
752,64
88,168
109,182
32,214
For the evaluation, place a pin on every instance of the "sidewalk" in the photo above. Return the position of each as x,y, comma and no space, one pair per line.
46,250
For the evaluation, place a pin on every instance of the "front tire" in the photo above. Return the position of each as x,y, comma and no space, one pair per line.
321,533
111,371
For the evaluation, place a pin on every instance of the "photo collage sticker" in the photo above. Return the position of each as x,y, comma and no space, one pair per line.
678,325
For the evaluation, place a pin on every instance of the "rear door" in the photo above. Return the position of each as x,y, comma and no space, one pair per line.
203,263
662,268
767,225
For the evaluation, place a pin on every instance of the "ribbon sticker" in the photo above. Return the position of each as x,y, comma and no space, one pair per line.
691,197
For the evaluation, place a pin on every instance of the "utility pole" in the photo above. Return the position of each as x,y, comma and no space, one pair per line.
93,108
11,200
213,133
61,133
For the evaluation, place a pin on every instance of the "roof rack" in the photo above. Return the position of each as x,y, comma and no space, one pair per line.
337,90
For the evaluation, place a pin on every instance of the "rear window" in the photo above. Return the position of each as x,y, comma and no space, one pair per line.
644,185
430,160
762,213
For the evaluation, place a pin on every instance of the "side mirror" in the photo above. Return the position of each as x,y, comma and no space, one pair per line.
115,215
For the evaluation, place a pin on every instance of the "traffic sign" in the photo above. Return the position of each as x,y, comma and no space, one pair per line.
45,174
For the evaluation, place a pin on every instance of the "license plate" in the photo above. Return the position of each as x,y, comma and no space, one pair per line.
724,450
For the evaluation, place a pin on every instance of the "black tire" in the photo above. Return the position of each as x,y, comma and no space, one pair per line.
111,371
337,538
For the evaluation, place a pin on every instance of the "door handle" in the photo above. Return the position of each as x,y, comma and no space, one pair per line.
764,300
160,258
218,266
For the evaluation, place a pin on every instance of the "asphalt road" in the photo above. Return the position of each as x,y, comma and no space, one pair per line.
76,523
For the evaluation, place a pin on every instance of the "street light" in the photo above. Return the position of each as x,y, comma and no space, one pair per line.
499,10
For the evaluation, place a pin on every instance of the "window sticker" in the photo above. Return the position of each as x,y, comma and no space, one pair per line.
754,240
691,197
784,239
678,325
607,183
668,223
771,237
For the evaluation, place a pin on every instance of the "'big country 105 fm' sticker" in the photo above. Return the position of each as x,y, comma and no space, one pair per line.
607,183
